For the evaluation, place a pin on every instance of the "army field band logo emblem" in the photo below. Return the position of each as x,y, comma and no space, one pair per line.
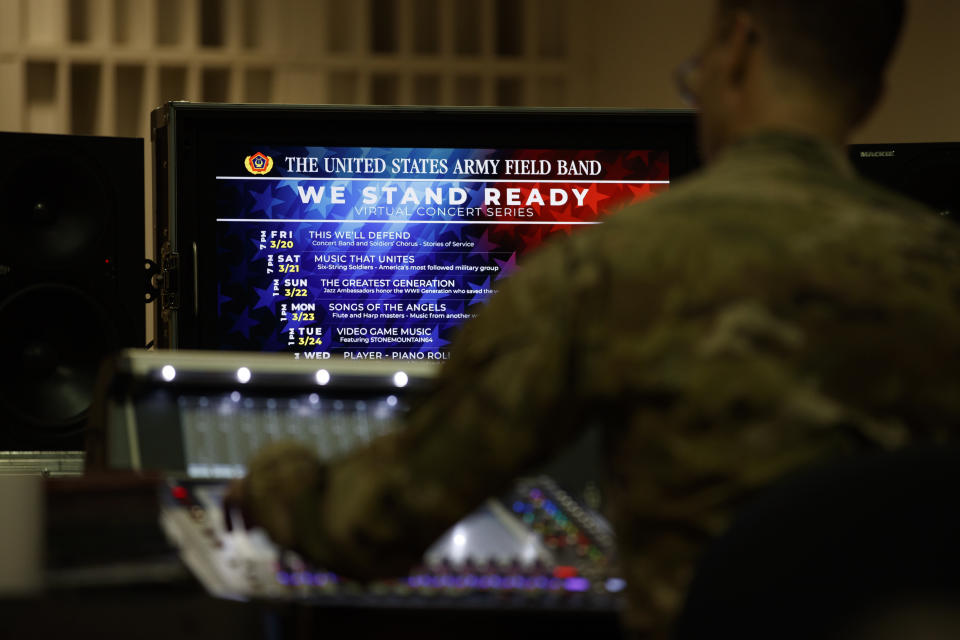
258,164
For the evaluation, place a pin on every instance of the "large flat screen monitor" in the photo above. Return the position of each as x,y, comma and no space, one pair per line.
374,233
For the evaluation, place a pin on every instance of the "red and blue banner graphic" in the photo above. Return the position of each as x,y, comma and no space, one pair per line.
382,253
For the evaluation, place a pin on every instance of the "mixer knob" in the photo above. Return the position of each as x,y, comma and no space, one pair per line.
539,582
381,587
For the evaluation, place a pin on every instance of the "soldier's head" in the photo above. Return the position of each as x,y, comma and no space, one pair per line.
815,66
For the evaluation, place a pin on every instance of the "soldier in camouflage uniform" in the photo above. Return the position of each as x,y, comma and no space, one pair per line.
772,311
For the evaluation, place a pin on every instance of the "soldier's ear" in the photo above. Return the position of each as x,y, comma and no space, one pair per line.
739,46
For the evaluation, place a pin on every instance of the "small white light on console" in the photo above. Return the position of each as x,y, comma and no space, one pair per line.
314,398
323,377
243,375
168,373
391,401
235,396
400,379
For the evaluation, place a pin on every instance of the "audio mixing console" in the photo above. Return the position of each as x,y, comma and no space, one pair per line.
197,417
535,548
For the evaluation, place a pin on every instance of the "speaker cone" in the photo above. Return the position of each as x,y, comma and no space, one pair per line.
56,213
54,337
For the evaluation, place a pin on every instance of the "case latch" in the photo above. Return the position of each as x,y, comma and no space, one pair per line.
164,279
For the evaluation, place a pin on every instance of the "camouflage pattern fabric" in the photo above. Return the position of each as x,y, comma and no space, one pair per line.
771,311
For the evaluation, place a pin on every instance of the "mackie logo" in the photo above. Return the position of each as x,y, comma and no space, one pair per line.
258,164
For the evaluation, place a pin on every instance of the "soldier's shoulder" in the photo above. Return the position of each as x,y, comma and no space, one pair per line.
693,200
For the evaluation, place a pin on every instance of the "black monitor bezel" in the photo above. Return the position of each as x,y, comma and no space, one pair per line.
186,137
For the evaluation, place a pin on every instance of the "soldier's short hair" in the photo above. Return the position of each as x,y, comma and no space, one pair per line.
839,46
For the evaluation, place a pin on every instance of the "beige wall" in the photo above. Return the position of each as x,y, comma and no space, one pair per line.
624,52
923,98
630,48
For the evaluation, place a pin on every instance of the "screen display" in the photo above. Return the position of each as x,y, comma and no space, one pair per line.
382,253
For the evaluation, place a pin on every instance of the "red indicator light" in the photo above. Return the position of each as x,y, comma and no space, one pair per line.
564,572
106,261
179,492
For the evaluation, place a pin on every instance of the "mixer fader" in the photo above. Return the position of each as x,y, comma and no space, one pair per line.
221,432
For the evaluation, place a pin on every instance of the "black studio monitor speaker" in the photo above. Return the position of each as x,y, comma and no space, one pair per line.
924,171
71,278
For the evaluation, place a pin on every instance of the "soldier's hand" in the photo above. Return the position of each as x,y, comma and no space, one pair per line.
280,477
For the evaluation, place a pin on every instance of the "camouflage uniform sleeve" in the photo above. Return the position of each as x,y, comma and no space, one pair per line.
504,402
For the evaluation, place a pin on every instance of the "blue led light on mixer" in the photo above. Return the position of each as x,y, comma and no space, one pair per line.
576,584
480,583
513,582
615,585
